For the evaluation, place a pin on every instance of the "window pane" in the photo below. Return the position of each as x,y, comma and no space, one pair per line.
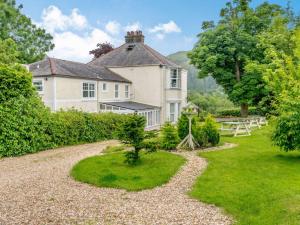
92,94
108,107
172,118
102,106
85,86
174,74
104,86
92,86
173,83
157,117
172,112
38,85
172,107
85,94
116,90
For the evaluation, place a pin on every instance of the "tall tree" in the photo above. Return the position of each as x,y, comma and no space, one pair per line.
226,50
32,42
8,52
102,48
283,75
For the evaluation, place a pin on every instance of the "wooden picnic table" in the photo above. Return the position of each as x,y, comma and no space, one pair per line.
236,128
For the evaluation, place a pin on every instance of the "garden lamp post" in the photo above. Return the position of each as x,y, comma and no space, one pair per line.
189,141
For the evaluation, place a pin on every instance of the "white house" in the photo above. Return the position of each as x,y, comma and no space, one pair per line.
131,78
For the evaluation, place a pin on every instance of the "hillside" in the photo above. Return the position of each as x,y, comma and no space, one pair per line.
194,83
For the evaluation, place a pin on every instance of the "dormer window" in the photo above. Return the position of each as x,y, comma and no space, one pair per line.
175,80
130,47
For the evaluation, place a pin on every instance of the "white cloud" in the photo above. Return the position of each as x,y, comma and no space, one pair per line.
133,26
112,27
53,19
71,46
160,36
170,27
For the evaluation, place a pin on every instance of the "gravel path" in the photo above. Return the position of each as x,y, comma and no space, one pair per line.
37,189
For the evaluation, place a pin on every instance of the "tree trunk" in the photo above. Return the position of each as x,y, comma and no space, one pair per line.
237,71
244,109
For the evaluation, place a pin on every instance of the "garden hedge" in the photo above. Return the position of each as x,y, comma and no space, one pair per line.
236,112
27,126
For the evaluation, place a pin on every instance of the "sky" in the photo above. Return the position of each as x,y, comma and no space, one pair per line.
168,25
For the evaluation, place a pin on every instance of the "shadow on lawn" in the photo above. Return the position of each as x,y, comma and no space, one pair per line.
289,157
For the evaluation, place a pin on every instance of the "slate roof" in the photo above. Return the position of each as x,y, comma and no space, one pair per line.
131,105
59,67
140,54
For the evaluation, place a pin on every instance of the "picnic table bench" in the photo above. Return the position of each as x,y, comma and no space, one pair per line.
242,126
236,128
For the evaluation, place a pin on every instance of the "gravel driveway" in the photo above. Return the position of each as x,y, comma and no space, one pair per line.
37,189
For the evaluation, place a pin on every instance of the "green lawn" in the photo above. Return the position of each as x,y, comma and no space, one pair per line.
254,182
110,170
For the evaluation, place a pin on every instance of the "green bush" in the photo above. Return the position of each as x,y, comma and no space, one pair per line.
200,135
74,127
24,126
287,130
183,125
15,81
236,112
132,131
151,144
169,136
211,131
206,133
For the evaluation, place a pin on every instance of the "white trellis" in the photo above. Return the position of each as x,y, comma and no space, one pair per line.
189,141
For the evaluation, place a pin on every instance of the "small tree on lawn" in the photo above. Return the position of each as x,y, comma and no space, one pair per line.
132,132
170,138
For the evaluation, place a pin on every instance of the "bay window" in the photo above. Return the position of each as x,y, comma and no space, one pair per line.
174,111
175,78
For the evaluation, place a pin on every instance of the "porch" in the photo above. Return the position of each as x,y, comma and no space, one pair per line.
150,112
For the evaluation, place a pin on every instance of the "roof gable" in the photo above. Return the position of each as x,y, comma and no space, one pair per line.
132,54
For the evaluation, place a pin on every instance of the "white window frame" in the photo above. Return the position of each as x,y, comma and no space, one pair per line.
177,79
89,90
127,93
174,116
117,91
152,117
106,87
42,85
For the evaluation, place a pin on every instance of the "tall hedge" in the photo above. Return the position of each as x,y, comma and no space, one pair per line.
28,126
15,81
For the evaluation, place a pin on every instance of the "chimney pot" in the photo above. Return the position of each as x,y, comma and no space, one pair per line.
134,37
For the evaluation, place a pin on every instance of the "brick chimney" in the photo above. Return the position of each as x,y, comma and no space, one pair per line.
134,37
